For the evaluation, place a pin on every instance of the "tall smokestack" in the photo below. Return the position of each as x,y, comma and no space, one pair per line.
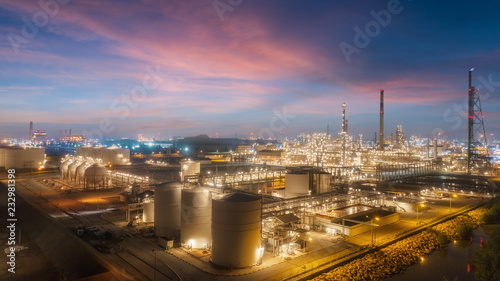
381,137
31,130
428,149
435,149
65,134
343,118
346,127
60,135
70,133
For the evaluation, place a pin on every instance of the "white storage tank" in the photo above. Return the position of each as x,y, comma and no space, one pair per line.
243,148
167,208
296,185
72,170
84,151
10,159
2,157
271,146
189,168
80,171
236,230
259,147
196,210
24,158
117,156
148,211
323,182
95,175
101,154
64,168
106,155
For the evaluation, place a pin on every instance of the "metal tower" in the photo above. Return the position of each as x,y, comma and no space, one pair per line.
31,131
475,127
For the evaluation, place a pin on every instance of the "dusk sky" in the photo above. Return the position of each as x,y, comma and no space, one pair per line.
183,68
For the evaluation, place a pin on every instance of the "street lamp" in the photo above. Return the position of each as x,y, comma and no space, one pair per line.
454,195
421,205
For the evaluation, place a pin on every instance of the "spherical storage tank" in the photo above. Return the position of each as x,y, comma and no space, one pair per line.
64,168
236,230
95,174
148,211
167,208
72,170
296,185
80,171
196,209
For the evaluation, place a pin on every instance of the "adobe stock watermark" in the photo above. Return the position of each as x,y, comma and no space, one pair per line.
277,123
223,6
362,38
39,19
459,112
123,104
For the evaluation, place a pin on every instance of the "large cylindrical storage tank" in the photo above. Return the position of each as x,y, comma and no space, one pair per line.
323,182
296,185
236,230
10,159
259,147
196,210
118,156
271,146
101,153
167,208
84,151
189,168
2,157
148,211
243,148
24,158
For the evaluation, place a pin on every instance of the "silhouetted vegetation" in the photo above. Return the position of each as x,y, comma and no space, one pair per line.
492,216
464,231
487,259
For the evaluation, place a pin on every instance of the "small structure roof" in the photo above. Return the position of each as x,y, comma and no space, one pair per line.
288,218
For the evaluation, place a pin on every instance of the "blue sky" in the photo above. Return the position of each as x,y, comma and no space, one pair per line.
86,65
